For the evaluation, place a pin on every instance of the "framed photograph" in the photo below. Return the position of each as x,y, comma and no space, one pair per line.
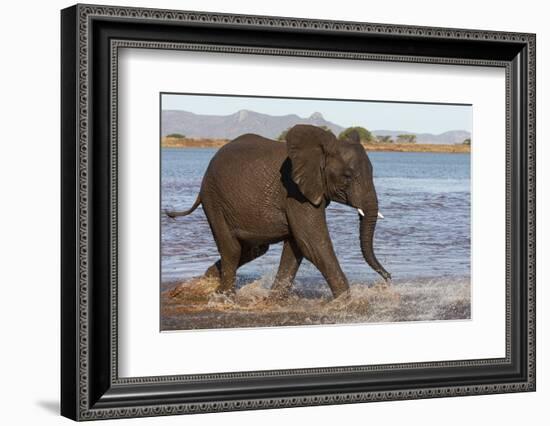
263,212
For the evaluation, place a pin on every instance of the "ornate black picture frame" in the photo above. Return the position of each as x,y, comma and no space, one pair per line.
91,36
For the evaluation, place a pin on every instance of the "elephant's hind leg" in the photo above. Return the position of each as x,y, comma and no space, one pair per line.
215,270
248,254
291,258
229,263
230,250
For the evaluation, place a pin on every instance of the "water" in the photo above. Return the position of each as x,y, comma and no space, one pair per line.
424,242
424,197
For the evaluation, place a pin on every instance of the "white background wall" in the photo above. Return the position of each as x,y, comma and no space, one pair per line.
29,225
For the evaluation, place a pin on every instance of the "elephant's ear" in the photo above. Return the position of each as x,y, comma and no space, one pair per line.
307,148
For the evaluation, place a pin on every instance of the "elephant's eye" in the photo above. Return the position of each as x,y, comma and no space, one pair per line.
348,175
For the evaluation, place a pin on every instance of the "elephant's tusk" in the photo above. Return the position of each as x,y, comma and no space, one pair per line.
362,213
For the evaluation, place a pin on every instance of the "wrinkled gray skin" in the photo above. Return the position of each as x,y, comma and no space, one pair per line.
258,192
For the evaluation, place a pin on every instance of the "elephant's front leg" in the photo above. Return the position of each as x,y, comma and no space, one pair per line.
309,229
291,258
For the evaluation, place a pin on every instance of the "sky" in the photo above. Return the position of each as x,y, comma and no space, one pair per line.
373,115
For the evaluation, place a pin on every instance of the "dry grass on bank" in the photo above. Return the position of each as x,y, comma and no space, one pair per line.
170,142
418,147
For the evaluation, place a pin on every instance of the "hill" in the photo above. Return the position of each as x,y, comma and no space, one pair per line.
450,137
202,126
233,125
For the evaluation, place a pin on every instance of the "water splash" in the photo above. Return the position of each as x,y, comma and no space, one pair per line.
194,304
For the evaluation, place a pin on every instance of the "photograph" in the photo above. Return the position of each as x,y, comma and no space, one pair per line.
279,211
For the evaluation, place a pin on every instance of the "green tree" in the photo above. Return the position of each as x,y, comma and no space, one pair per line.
176,136
406,138
364,134
467,141
384,139
282,136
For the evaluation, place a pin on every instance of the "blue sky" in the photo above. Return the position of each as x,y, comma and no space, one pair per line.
413,117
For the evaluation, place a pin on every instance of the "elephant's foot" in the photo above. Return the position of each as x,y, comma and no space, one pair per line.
214,271
339,288
224,296
227,288
280,290
278,296
342,298
386,283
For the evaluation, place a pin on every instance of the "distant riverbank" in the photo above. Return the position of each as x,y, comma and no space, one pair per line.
169,142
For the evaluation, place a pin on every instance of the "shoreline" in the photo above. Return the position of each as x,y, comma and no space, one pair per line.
185,143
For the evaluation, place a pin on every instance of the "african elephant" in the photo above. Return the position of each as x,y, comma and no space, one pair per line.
258,192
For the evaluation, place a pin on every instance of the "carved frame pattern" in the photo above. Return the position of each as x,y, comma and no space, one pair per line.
85,14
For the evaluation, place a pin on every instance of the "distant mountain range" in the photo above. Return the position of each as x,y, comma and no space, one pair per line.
450,137
230,126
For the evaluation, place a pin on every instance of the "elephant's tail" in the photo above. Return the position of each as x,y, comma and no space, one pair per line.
174,214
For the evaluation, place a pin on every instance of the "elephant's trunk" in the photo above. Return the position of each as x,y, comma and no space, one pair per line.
367,224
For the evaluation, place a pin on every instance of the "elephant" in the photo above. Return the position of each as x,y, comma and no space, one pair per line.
257,192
